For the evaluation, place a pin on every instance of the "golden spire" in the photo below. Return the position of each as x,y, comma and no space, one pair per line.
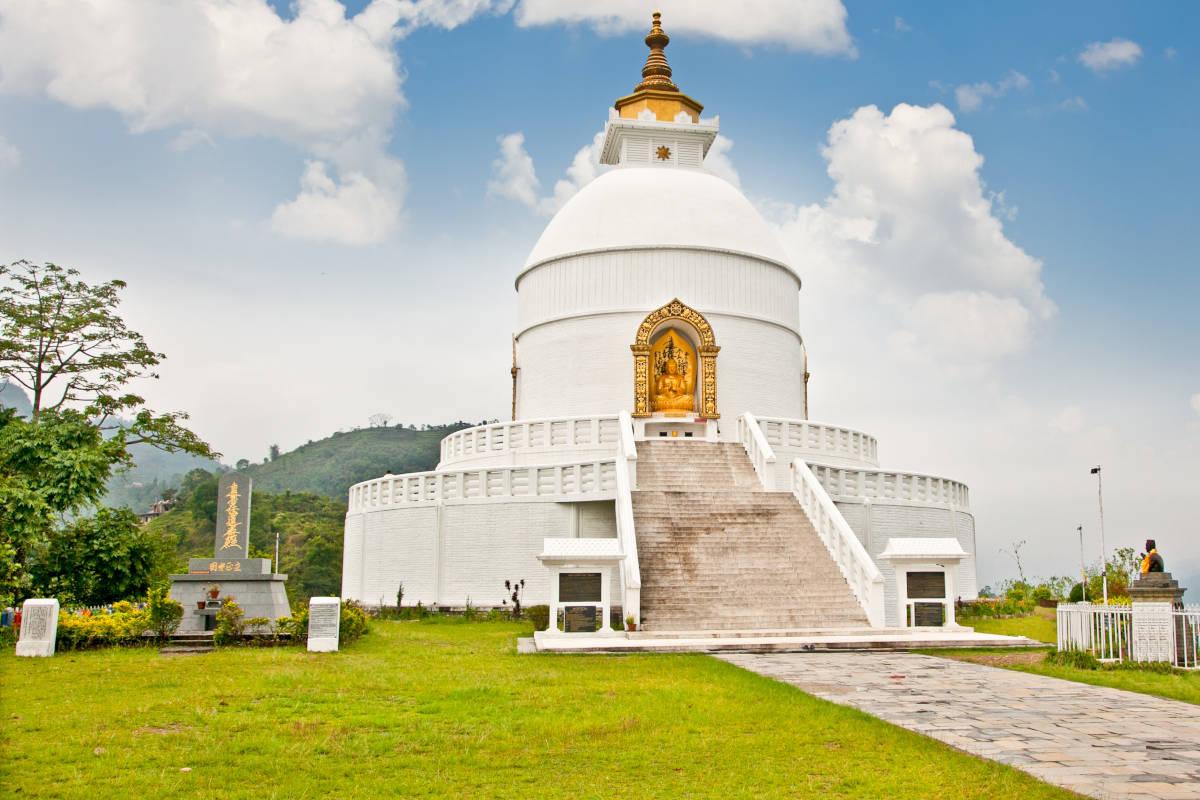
657,72
656,92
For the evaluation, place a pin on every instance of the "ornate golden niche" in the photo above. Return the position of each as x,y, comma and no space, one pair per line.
670,394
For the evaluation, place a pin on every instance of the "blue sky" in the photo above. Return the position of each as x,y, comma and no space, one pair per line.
168,148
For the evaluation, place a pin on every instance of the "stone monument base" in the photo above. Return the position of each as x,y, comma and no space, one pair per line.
258,595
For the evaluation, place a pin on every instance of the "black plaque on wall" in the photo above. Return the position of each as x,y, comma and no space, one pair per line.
929,614
579,587
581,619
926,585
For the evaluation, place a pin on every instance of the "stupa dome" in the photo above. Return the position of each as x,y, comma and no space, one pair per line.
632,207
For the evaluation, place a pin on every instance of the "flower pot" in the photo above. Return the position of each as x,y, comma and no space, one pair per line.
213,593
200,604
632,626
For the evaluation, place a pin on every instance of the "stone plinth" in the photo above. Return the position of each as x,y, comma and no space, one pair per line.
324,624
39,627
1155,596
261,595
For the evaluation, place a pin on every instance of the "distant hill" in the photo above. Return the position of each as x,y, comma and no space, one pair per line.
331,466
154,472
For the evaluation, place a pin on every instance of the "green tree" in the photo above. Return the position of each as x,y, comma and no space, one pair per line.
61,339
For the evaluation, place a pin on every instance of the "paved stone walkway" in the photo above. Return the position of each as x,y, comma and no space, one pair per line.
1100,742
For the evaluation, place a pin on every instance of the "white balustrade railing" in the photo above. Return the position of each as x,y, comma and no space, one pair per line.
593,480
536,434
852,558
814,437
626,479
1104,631
1186,627
884,485
759,449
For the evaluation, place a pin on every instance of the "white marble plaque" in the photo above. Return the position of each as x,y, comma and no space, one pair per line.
1152,640
39,626
324,624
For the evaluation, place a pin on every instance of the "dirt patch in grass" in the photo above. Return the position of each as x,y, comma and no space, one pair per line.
151,730
1000,659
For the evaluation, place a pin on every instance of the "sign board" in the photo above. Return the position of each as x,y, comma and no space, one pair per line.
581,619
579,587
324,624
232,539
39,627
931,585
929,615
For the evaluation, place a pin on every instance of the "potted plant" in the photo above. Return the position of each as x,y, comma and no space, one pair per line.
214,590
200,604
630,625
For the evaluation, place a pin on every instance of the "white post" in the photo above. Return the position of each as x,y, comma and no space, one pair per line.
1103,552
1082,567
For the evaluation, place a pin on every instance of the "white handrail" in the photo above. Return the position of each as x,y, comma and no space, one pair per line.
813,438
890,485
549,434
631,572
848,553
759,450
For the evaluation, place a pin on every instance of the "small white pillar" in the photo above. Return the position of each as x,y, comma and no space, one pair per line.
39,627
324,624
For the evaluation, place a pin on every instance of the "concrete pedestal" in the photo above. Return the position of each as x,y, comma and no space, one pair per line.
258,595
1155,596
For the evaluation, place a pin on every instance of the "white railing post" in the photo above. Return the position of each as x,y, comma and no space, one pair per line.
852,559
759,450
631,573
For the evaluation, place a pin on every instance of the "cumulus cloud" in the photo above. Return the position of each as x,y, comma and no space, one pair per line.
1101,57
911,229
10,156
513,173
191,139
901,26
815,26
320,81
354,210
971,96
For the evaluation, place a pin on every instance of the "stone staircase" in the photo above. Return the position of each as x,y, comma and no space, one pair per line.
191,643
718,553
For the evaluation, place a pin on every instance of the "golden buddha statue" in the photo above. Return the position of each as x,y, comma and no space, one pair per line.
672,391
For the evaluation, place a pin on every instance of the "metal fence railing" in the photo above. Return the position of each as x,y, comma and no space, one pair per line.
1107,632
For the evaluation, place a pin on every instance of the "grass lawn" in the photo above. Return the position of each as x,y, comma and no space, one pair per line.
437,709
1040,625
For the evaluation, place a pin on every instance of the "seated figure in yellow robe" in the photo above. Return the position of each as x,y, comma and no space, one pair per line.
672,392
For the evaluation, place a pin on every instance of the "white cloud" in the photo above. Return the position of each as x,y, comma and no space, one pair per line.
354,211
10,156
902,26
1170,54
1069,420
320,81
911,240
1101,57
1196,403
190,139
1075,103
513,173
816,26
447,14
718,162
970,96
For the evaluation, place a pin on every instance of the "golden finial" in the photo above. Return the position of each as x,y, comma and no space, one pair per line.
657,72
656,93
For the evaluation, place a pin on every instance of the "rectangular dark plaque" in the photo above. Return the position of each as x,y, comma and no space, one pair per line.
579,587
581,619
929,614
926,585
233,517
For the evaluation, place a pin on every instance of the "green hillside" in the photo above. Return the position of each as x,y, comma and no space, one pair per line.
331,466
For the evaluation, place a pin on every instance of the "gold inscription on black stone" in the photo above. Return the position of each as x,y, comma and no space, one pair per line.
579,587
581,619
926,584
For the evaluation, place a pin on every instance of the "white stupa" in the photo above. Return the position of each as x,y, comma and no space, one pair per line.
660,438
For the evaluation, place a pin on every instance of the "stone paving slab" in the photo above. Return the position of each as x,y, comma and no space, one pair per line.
1100,742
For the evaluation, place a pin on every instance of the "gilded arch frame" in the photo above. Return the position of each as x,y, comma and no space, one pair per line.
675,310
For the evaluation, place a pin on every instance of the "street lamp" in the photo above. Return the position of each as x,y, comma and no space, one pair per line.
1082,566
1103,552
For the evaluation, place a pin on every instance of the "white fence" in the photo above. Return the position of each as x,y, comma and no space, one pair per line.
799,434
595,480
537,434
1107,632
911,486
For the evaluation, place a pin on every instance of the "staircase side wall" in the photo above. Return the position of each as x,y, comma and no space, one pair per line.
876,522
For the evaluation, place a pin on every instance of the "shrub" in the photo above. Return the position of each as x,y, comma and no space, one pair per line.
164,613
353,622
1041,593
124,626
540,616
1076,595
1076,659
231,625
296,626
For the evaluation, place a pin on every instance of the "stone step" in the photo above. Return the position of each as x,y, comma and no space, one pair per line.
184,650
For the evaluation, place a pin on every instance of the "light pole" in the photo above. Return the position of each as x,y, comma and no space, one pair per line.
1103,552
1082,566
